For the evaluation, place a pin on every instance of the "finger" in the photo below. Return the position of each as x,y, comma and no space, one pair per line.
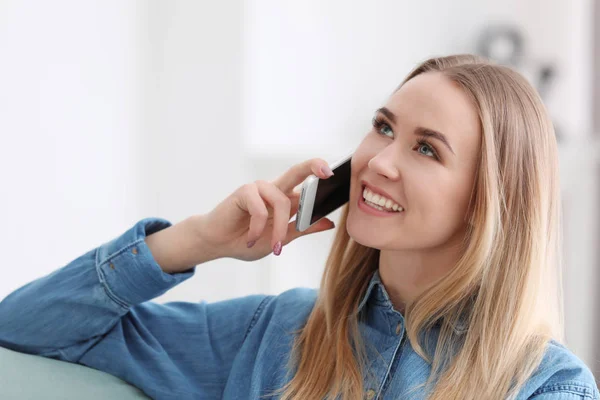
295,201
257,209
323,224
281,205
299,172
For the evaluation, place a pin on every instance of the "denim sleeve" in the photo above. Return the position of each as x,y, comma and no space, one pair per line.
96,311
568,390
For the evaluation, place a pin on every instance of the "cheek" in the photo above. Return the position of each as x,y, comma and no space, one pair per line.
359,162
441,203
360,157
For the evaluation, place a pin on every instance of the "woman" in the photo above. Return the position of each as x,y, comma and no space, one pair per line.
452,293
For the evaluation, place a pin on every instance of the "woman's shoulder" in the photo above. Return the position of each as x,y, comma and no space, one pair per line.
299,300
561,371
291,308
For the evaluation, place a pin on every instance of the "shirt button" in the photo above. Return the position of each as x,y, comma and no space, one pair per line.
370,394
398,328
134,251
112,266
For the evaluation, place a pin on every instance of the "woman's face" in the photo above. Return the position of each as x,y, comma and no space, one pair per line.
406,156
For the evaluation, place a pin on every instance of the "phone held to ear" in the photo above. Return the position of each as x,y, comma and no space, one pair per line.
320,197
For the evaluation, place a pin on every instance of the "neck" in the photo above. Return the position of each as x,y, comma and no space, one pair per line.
407,273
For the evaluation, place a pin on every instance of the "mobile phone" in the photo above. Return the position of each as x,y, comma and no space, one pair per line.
320,197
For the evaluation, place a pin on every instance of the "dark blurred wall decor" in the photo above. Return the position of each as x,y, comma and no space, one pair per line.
505,44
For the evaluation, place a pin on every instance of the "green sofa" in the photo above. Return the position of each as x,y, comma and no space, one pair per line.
23,376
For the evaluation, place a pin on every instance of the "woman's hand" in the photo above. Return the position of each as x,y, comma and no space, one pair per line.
254,220
247,225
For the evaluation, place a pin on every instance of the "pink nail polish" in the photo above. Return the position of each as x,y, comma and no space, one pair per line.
277,248
251,243
327,171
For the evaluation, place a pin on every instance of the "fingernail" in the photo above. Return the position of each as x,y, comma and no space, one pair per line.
326,170
251,243
277,248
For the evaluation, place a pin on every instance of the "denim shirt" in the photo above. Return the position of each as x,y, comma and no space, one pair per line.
96,311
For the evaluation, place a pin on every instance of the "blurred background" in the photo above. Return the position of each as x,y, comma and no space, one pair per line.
112,111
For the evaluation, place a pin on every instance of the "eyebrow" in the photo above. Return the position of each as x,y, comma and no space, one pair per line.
419,131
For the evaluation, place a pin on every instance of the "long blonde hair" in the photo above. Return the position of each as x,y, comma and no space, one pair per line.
508,278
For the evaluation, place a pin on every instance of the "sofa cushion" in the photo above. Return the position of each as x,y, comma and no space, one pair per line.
24,376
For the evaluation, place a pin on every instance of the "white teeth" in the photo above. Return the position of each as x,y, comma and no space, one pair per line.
375,206
380,202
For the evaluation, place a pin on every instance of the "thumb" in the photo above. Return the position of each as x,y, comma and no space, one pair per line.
324,224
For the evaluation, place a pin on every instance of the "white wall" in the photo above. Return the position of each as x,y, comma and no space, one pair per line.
111,112
193,154
323,66
69,129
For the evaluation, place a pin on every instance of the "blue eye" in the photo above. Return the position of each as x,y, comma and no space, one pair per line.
429,151
382,127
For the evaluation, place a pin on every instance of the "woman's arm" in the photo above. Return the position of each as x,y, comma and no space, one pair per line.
95,311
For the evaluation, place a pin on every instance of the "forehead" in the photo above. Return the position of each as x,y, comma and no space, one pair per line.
433,101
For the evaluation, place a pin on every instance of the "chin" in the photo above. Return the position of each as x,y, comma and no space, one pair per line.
369,237
366,233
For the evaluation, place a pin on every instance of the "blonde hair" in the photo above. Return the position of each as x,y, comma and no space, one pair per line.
508,279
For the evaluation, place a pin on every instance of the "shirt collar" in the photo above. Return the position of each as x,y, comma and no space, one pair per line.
378,295
375,285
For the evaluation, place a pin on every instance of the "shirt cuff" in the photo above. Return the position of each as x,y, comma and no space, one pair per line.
129,272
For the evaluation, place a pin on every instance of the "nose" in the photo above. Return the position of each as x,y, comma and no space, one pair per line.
384,163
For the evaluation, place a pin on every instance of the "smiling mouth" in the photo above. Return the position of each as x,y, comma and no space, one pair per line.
379,202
